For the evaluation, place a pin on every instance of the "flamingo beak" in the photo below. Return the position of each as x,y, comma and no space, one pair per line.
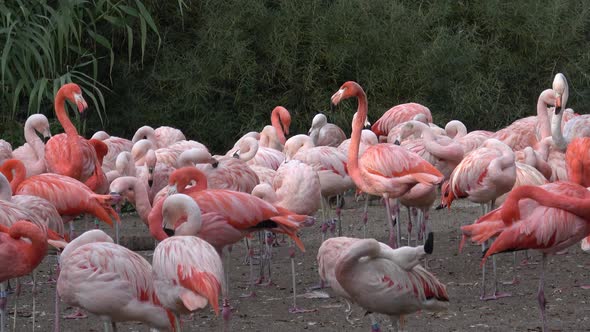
367,124
168,231
558,104
80,102
235,155
337,97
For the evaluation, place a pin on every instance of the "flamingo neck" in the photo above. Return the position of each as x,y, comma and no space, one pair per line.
15,170
251,146
62,116
543,112
350,259
35,142
276,123
37,248
558,140
200,183
355,137
155,221
142,201
193,223
5,190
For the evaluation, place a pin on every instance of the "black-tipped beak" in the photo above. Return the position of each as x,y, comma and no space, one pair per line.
235,155
367,126
429,245
440,207
168,231
397,142
484,252
332,107
215,163
46,139
150,182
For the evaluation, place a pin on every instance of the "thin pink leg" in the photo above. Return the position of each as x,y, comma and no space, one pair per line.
541,294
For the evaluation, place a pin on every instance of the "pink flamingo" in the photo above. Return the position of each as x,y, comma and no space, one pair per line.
161,137
110,281
250,151
398,114
269,138
469,141
385,170
98,182
389,281
188,272
323,133
32,153
70,154
115,145
5,150
548,218
280,119
22,247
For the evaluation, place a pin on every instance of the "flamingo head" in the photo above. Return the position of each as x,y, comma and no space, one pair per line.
347,90
285,118
561,92
100,147
319,120
74,94
176,207
124,187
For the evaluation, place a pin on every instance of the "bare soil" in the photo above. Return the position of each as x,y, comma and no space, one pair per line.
568,305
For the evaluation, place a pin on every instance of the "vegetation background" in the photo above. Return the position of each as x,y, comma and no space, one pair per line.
216,68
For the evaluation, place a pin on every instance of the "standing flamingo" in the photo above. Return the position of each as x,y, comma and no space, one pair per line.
70,154
389,281
323,133
110,281
32,153
548,218
385,170
22,247
188,273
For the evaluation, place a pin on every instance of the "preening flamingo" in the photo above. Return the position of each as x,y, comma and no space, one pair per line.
250,151
188,273
110,281
398,114
389,281
32,153
161,137
5,150
385,170
280,119
323,133
70,154
548,218
115,145
469,141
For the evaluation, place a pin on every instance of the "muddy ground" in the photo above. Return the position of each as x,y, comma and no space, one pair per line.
568,305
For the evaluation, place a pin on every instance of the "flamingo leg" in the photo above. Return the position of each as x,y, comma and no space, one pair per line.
118,210
390,221
349,312
496,295
34,291
541,294
409,225
295,309
17,292
3,301
114,326
365,216
483,275
339,214
324,225
56,315
177,319
397,223
226,308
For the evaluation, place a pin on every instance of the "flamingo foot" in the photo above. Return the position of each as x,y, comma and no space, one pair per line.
268,283
250,295
76,315
495,296
563,252
585,287
226,312
321,285
297,310
514,281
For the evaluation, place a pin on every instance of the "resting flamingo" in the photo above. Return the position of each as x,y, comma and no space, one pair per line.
396,115
5,150
32,153
115,145
161,137
70,154
280,119
385,170
548,218
250,151
110,281
389,281
188,273
323,133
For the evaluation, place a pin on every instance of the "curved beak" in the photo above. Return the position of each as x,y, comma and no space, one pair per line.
337,97
235,155
115,198
168,231
558,104
80,103
46,139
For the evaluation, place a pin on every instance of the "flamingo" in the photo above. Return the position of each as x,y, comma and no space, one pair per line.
70,154
161,137
548,218
385,170
389,281
32,153
323,133
115,145
22,247
188,272
269,138
280,119
469,141
250,151
396,115
577,159
229,173
5,151
110,281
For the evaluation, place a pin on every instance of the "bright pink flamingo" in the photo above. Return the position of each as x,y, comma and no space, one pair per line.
548,218
577,159
98,182
385,170
161,137
188,272
389,281
323,133
115,145
32,153
280,119
110,281
23,256
70,154
398,114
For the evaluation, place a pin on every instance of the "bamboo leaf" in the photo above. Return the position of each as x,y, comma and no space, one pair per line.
129,42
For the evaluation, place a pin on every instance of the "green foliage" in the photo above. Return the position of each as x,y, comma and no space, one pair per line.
46,44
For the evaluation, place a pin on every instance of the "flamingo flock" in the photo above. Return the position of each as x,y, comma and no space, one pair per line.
530,179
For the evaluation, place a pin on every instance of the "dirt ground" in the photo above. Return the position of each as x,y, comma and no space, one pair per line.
568,305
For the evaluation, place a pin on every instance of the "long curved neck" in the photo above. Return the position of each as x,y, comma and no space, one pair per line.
510,211
35,250
19,175
458,127
558,140
155,221
251,146
5,190
62,116
355,137
350,258
276,123
543,112
142,201
193,223
34,141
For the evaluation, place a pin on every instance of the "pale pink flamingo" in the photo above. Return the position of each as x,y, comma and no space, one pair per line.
22,247
188,272
393,136
5,151
323,133
390,281
70,154
32,153
398,114
469,141
330,164
161,137
280,119
269,138
115,145
124,166
533,158
385,170
548,218
110,281
250,151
